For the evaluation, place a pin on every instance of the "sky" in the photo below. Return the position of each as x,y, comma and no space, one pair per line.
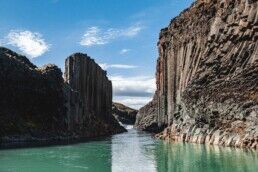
121,35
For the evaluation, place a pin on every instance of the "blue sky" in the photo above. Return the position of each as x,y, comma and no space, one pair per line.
121,35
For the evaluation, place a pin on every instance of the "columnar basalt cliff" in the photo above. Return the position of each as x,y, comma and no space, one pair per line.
207,74
90,98
36,104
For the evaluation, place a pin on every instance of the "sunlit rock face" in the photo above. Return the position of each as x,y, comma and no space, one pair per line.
207,74
37,104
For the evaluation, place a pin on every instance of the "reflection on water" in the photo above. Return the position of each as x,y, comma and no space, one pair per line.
202,158
93,157
133,151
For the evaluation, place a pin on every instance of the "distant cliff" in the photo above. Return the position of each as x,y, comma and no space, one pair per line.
207,75
36,104
124,114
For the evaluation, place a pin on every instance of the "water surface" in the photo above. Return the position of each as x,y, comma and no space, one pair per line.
133,151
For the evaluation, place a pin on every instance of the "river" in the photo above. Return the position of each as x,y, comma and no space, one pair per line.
134,151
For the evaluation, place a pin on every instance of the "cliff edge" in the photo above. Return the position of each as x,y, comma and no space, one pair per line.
207,75
37,105
89,98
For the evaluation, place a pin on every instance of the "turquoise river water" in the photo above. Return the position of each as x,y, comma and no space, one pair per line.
133,151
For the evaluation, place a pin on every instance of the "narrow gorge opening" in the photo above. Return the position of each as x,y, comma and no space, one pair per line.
186,103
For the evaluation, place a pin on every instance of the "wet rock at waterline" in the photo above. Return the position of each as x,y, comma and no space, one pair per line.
207,79
36,104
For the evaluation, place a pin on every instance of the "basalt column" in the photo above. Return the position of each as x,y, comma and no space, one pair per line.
207,73
93,90
37,104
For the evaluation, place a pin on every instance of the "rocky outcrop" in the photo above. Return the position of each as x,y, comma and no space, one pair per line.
207,74
89,98
147,118
32,100
36,104
124,114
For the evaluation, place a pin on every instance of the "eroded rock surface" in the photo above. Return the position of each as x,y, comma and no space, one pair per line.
89,103
36,104
31,98
147,118
124,114
207,74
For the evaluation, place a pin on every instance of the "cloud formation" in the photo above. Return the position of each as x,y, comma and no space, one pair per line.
141,86
131,31
92,37
106,66
96,36
30,43
124,51
134,92
133,102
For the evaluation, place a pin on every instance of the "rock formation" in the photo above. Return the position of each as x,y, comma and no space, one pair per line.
124,114
31,98
147,118
207,74
89,99
36,104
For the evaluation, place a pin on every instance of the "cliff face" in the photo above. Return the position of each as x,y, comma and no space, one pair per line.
32,99
124,114
89,99
37,104
147,117
207,74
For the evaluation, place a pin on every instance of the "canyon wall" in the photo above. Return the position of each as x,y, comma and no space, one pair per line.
207,75
37,104
31,98
147,117
124,114
89,103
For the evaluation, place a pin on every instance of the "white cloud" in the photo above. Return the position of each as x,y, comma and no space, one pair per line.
30,43
124,51
134,92
133,102
140,86
105,66
96,36
131,31
92,37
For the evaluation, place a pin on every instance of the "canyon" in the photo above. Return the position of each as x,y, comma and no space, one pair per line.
207,76
39,105
201,115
